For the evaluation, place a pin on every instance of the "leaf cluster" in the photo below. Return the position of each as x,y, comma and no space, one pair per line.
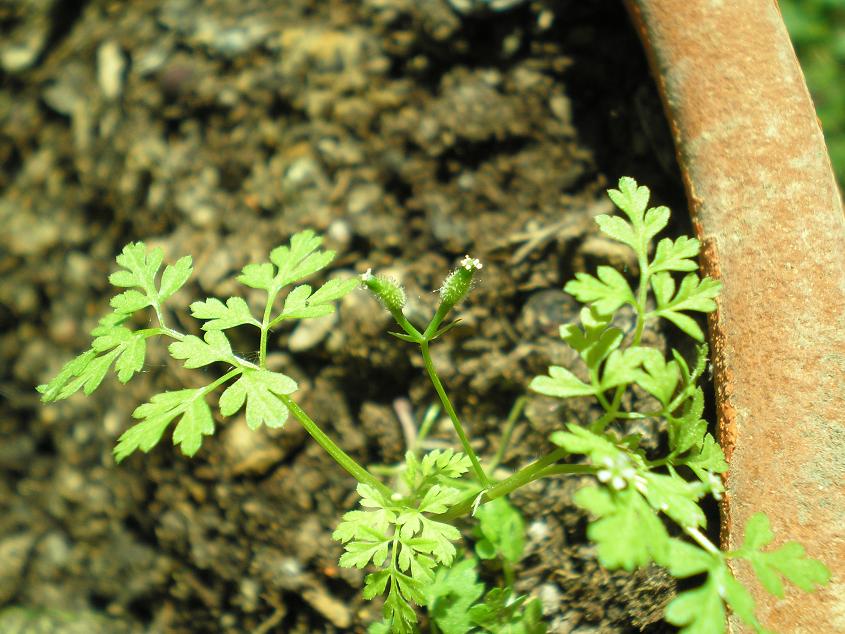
399,537
635,496
248,385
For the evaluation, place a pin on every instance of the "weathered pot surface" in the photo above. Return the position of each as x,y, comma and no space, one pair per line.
765,204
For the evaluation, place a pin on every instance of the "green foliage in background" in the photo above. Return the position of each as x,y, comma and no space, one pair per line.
817,28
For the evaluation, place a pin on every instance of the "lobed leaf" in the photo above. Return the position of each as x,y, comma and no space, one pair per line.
789,560
198,352
628,534
259,389
561,383
158,413
605,294
675,255
220,316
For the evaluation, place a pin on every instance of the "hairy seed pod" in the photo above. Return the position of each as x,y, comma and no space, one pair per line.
458,282
388,292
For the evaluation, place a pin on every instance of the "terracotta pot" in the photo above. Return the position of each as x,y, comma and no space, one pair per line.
765,205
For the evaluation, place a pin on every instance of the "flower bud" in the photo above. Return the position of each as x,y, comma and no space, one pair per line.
389,293
459,281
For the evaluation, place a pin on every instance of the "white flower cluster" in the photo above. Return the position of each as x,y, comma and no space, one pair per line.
619,473
471,263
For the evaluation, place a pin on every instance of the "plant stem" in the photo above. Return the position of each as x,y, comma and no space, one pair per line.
513,416
338,455
265,327
447,404
519,479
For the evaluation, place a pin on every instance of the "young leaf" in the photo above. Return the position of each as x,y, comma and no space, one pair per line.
693,294
502,530
298,260
141,267
234,312
156,416
561,383
710,458
698,611
605,294
55,390
628,534
596,341
631,199
675,256
258,276
660,379
789,560
676,498
451,594
619,230
198,353
259,389
174,277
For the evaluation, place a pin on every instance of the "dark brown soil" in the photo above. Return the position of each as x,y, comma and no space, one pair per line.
408,133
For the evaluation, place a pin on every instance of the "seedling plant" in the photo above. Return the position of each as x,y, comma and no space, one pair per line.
644,509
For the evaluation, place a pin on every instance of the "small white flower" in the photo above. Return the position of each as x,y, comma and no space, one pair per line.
366,277
618,472
471,263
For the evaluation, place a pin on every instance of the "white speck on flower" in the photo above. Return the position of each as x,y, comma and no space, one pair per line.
618,472
471,263
396,497
366,277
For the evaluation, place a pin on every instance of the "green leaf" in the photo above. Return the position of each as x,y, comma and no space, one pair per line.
606,294
676,498
675,255
710,458
130,301
619,230
54,390
198,353
259,389
583,441
298,260
622,367
698,611
174,277
194,424
235,312
451,594
789,560
660,379
655,221
561,383
141,267
502,526
628,534
688,430
686,560
131,359
596,341
693,294
333,290
258,276
631,199
157,414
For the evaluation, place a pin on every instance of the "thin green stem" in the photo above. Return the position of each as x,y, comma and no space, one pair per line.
338,455
510,423
265,328
519,479
447,404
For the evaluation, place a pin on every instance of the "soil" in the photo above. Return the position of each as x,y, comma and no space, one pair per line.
408,133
